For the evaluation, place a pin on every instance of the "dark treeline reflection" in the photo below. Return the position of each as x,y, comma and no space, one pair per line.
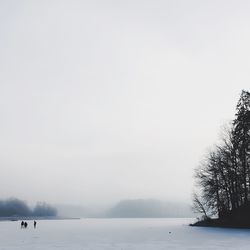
16,207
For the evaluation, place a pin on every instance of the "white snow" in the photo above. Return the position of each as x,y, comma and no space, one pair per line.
119,234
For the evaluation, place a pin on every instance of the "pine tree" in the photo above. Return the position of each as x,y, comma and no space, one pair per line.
241,136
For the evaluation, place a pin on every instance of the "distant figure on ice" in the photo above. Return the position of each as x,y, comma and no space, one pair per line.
34,224
25,224
22,224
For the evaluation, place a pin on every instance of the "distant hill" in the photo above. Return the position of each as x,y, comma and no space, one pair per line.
149,208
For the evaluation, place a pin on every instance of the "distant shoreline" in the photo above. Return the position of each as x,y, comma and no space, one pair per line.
222,223
19,218
79,218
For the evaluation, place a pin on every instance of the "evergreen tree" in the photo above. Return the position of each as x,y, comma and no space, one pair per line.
241,135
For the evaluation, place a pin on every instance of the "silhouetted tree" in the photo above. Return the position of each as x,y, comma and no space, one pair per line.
224,175
241,134
199,206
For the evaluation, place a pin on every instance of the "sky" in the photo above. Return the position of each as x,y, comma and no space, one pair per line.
108,100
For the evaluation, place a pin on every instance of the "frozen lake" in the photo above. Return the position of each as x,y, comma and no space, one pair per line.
119,234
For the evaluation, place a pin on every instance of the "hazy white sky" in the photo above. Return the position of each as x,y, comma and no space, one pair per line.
107,99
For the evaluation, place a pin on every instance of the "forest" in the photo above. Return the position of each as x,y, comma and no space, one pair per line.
223,177
15,207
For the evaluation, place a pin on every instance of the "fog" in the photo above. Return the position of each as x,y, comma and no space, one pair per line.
149,209
102,101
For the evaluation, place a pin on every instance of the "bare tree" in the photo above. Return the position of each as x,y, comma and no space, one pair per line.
224,175
199,206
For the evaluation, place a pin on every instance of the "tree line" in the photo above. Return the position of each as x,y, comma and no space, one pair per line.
223,177
16,207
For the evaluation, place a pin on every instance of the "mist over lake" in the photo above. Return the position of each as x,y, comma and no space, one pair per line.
109,101
124,115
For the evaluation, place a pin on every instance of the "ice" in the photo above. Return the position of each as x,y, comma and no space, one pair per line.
119,234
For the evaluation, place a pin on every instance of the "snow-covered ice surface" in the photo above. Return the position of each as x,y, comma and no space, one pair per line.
119,234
